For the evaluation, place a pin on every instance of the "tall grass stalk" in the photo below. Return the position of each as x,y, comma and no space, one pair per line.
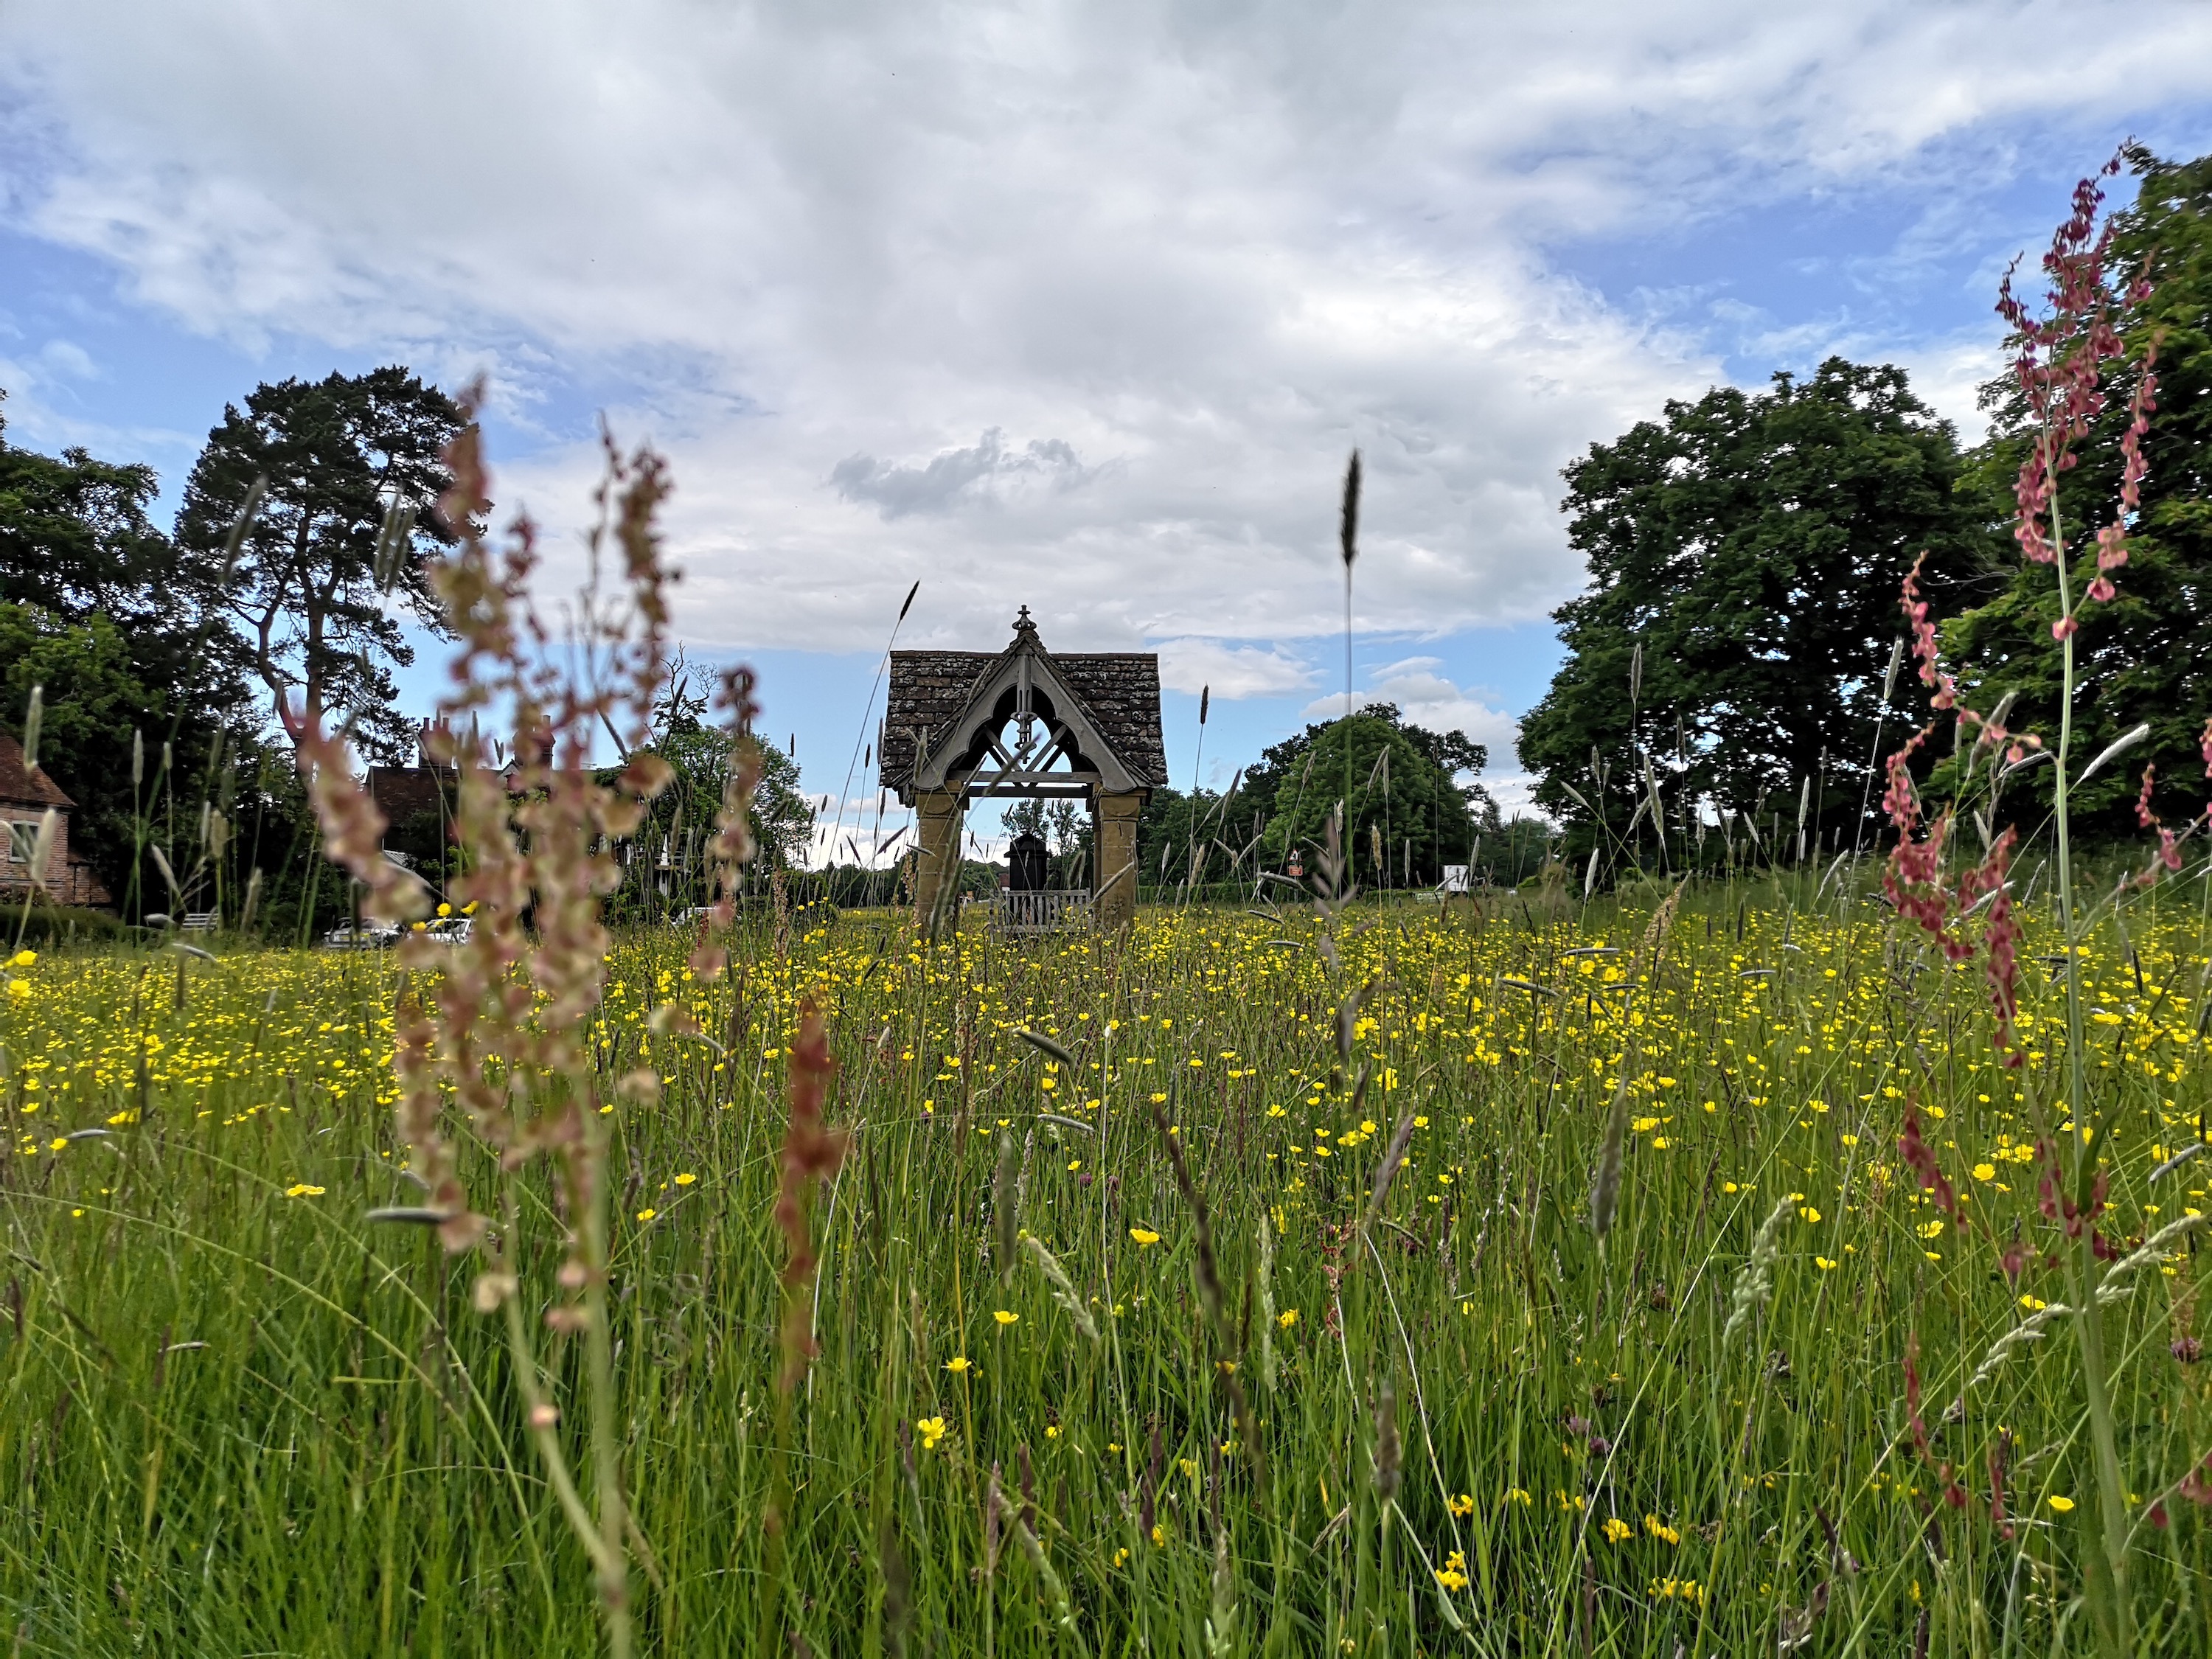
2060,369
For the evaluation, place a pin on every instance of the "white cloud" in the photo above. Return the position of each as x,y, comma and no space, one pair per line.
1426,698
66,360
1170,261
1231,671
37,409
955,476
1516,795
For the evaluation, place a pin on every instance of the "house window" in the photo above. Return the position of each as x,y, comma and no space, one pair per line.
22,838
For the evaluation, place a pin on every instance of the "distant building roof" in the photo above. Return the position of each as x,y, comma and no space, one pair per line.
21,786
403,792
930,690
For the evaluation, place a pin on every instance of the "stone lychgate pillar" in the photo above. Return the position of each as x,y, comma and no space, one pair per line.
939,860
1113,879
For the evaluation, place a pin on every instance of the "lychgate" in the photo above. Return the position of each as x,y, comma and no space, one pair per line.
1025,722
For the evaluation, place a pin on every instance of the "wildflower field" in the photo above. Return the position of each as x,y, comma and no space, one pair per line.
1284,1297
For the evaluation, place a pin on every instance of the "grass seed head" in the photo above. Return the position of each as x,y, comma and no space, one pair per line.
1755,1285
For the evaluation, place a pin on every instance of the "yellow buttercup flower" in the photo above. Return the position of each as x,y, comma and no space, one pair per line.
1146,1237
1004,1317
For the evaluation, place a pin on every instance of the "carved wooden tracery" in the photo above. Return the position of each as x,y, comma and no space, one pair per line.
1048,727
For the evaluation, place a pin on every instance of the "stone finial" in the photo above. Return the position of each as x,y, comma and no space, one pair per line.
1022,624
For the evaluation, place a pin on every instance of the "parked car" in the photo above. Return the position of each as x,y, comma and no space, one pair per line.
369,936
450,930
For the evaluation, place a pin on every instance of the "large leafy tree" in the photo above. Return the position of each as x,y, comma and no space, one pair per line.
93,612
2146,656
1746,555
74,535
680,819
1406,788
338,455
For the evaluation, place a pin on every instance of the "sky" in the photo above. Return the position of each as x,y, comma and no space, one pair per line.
1075,306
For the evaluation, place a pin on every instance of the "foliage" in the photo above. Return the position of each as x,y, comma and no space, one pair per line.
98,701
42,922
2149,649
302,592
92,608
75,538
782,819
1413,796
1515,852
350,1409
1066,829
1745,556
1168,829
666,869
1283,799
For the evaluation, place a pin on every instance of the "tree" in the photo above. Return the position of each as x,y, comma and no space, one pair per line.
75,537
783,820
338,455
1406,798
1286,774
91,609
680,819
1515,853
1166,830
1746,557
92,693
1065,828
2147,654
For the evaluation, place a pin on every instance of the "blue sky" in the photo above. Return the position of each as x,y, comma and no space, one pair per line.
1080,307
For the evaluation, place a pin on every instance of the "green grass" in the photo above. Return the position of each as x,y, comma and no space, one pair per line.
241,1422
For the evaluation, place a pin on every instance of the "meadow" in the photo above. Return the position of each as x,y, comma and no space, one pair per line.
1317,1348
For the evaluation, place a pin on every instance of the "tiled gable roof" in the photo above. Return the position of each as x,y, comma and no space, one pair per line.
20,787
1119,690
403,793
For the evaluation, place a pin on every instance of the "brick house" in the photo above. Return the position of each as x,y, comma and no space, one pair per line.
24,796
